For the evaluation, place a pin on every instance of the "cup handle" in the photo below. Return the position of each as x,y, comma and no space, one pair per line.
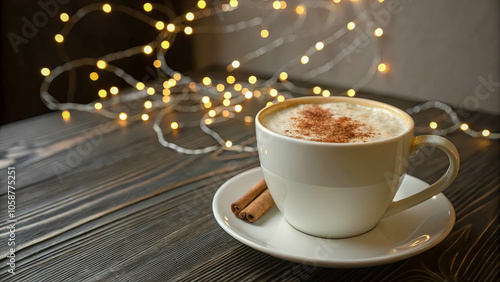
438,186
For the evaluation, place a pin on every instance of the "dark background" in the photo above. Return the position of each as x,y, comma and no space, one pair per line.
95,35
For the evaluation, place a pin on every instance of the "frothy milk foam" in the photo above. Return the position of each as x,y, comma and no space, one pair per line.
336,123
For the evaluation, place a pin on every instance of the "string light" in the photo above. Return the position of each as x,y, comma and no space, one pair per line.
150,91
64,17
147,49
123,116
202,4
98,106
106,8
319,46
93,76
171,27
66,115
269,104
101,64
382,67
248,119
238,108
148,104
145,117
300,9
172,82
177,76
174,125
248,94
283,75
351,25
235,64
189,16
208,105
157,64
281,98
229,144
140,86
166,92
188,30
485,133
205,99
45,71
316,90
208,121
160,25
433,125
336,1
282,4
233,3
238,87
148,7
220,87
226,102
378,32
230,79
165,44
252,79
326,93
207,81
211,113
227,95
351,92
102,93
304,60
225,113
273,92
464,126
264,33
59,38
276,5
165,99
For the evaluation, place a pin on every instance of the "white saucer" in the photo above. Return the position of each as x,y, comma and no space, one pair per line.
395,238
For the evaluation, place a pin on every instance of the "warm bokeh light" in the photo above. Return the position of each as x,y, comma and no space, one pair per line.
486,133
229,144
160,25
220,87
208,105
319,46
189,16
269,104
433,125
148,104
165,44
248,119
147,7
106,8
273,92
59,38
304,60
205,99
235,64
233,3
226,102
165,99
171,27
317,90
208,121
147,49
157,63
252,79
123,116
248,94
227,95
188,30
238,87
174,125
140,86
207,81
283,75
351,25
150,91
145,117
172,82
177,76
66,115
282,5
336,1
101,64
378,32
211,113
64,17
326,93
276,5
45,71
93,76
464,126
202,4
382,67
238,108
264,33
281,98
300,9
102,93
165,92
351,93
98,106
230,79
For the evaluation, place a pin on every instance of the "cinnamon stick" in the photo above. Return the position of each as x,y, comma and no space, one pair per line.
249,196
257,207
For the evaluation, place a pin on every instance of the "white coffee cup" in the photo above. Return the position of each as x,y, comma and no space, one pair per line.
337,190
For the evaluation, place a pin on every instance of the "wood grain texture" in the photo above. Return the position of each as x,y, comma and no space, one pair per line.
101,201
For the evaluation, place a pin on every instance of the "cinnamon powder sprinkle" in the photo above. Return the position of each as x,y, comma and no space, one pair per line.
316,121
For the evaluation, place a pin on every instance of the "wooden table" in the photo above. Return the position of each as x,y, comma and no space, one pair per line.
102,200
